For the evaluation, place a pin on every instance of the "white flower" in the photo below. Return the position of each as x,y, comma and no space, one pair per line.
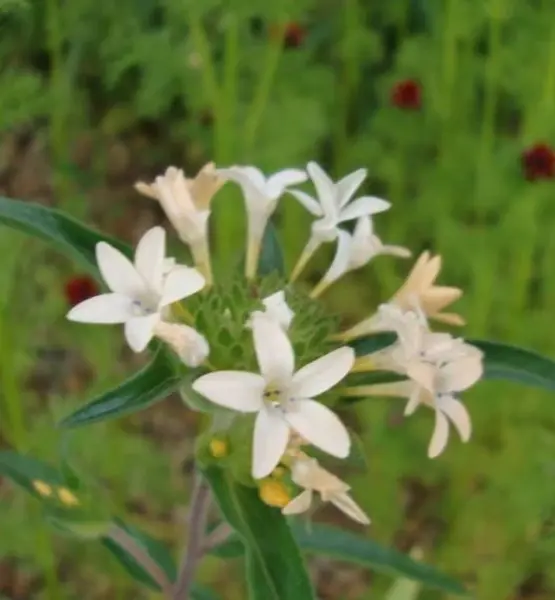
355,251
261,197
191,347
282,398
308,474
332,207
276,308
138,292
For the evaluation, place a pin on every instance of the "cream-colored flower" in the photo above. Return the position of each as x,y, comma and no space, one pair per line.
307,473
190,346
419,290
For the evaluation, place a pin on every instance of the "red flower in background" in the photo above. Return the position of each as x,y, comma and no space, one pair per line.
538,162
293,34
407,94
79,288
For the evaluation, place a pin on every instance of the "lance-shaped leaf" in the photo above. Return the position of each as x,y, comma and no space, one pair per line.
152,384
350,547
503,361
372,343
274,565
51,225
271,255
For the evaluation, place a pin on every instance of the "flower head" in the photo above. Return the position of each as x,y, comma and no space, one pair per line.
538,162
407,95
307,473
139,291
80,288
281,397
261,195
333,206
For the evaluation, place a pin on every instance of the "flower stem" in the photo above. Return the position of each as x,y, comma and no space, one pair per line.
201,257
320,288
142,557
200,502
305,256
253,253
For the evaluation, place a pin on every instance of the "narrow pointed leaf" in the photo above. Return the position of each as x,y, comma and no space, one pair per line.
152,384
52,225
271,255
372,343
274,565
350,547
503,361
25,471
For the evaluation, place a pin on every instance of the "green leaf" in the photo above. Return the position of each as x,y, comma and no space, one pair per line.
372,343
275,567
350,547
51,225
374,377
25,471
271,255
153,383
502,361
155,549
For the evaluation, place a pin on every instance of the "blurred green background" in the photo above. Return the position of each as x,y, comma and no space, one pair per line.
447,103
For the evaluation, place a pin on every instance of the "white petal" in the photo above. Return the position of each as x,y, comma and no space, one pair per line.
276,184
341,260
367,205
399,251
320,426
439,436
237,390
424,374
308,202
325,189
460,374
458,415
323,373
299,504
347,186
347,505
139,331
414,400
244,175
277,308
180,283
106,308
118,271
149,257
274,351
271,434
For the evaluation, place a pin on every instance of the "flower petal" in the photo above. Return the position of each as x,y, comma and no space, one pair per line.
237,390
347,186
367,205
106,308
322,374
140,330
308,202
320,426
439,436
456,411
274,351
299,504
149,257
460,374
325,188
276,184
180,283
118,271
271,434
347,505
341,260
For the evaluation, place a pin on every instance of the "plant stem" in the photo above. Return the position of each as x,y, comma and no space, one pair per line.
217,537
195,535
142,557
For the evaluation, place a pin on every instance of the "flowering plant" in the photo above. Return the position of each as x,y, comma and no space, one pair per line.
259,355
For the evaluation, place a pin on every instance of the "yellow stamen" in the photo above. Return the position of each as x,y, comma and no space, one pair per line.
68,498
42,488
274,493
218,448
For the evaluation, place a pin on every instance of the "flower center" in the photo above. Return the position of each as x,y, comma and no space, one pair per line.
145,306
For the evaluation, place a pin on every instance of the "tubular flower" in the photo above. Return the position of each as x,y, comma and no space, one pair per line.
276,307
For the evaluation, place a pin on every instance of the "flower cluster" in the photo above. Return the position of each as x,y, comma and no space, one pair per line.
256,347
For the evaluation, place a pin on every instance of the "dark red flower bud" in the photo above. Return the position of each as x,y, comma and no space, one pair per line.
407,95
293,34
80,288
538,162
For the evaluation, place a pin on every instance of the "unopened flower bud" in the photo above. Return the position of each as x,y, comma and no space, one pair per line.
42,488
191,347
67,497
274,493
218,448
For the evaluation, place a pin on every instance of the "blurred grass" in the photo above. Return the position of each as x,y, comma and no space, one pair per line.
176,82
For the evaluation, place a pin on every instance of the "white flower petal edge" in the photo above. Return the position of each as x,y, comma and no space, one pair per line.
276,308
236,390
271,434
323,373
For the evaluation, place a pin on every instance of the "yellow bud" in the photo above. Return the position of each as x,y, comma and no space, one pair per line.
42,488
218,448
68,498
274,493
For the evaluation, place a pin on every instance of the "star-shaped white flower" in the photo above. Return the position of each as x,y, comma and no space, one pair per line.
276,307
356,250
308,474
282,398
261,197
139,291
333,206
